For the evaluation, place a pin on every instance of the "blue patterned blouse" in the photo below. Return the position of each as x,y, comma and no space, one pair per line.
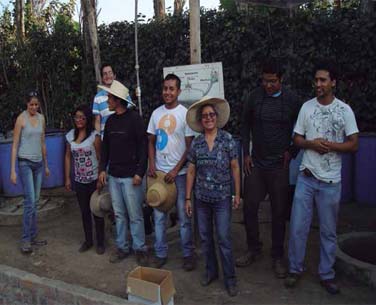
213,168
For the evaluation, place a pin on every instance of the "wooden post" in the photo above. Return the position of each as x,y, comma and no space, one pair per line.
20,20
194,31
195,45
90,15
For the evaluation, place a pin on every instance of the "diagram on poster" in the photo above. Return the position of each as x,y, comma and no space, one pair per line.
198,81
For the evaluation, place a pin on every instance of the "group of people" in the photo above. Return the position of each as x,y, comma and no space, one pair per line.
110,144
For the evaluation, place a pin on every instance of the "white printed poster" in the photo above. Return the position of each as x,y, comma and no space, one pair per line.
198,80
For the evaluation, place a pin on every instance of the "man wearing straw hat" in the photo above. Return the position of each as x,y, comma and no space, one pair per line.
124,149
269,114
169,141
100,103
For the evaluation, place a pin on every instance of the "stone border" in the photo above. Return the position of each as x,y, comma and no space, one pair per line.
362,271
19,287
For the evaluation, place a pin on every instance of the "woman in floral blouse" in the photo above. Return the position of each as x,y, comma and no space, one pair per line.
213,163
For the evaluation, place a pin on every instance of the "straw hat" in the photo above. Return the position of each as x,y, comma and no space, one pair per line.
160,195
117,89
221,106
101,203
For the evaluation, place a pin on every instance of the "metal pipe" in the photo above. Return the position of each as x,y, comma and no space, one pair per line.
137,67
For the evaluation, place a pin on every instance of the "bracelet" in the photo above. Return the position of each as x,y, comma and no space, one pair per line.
187,199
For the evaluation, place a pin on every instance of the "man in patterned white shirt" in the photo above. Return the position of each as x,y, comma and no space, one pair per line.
325,128
100,105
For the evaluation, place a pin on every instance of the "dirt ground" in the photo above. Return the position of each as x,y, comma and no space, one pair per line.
60,260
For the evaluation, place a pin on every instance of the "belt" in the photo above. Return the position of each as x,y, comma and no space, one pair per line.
307,173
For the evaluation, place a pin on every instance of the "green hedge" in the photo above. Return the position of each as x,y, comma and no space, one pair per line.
239,41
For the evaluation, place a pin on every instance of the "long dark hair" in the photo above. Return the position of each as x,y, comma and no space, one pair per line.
86,110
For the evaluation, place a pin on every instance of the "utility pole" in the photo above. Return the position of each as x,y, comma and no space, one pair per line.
194,31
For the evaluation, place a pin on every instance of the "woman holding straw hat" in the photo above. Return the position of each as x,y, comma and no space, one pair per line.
213,162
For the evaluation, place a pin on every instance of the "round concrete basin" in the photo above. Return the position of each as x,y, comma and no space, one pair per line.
356,256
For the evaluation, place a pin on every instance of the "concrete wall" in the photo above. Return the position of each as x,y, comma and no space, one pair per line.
18,287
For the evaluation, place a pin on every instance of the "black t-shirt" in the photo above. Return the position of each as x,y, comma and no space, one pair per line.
124,146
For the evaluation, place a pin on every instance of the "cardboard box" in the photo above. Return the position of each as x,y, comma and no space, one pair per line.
151,286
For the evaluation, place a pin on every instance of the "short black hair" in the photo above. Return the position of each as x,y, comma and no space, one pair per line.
272,66
327,65
106,65
172,76
123,102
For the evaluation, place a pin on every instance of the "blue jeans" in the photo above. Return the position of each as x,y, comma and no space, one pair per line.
326,196
219,212
127,202
160,222
31,176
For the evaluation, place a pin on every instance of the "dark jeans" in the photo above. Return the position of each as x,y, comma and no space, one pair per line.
260,182
83,192
220,213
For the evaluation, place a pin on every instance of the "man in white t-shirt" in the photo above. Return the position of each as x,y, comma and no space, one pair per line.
326,127
169,140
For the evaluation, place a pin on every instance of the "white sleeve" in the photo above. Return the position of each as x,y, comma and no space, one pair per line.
350,122
300,126
69,136
151,126
95,106
188,132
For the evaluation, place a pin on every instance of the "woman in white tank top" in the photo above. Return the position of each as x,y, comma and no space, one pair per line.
30,149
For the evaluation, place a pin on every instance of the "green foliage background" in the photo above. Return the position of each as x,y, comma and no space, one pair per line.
54,58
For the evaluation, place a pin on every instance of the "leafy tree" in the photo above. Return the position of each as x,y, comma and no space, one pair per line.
227,5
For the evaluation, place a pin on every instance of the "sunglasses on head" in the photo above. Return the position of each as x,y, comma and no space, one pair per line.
33,94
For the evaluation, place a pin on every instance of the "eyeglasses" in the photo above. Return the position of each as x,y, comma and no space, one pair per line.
79,118
209,115
33,94
270,81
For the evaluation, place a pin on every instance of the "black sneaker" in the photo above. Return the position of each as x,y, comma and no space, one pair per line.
279,268
206,281
142,258
100,250
189,263
158,262
85,246
38,242
247,259
26,248
291,280
330,286
232,290
118,255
